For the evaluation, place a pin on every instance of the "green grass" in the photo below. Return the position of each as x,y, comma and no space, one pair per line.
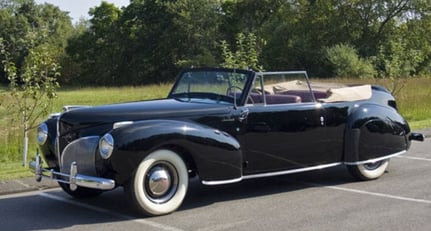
13,170
417,125
414,103
107,95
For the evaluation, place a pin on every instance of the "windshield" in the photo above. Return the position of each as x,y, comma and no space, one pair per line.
220,85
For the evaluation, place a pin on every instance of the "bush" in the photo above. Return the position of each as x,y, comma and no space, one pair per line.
345,62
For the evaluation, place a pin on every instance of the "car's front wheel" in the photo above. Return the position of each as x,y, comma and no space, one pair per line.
160,183
368,171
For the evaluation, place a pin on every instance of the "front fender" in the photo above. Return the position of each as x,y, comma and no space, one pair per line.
48,149
216,154
374,132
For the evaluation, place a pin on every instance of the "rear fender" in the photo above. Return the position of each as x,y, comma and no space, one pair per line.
374,132
216,154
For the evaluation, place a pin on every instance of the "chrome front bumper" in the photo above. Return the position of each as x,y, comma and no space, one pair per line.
73,179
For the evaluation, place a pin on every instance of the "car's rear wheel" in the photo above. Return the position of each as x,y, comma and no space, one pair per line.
160,183
369,171
80,192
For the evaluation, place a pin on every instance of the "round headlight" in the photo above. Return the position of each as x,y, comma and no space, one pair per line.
42,133
106,146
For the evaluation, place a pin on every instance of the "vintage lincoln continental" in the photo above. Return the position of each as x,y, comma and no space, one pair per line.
222,126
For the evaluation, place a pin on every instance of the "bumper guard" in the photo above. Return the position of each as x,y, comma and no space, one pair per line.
73,179
416,136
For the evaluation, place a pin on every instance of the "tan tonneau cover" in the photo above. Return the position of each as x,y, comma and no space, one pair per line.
355,93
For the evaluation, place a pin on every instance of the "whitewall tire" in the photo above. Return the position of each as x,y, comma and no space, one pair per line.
160,183
369,171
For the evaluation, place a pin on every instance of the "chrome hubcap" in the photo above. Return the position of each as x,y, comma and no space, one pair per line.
373,166
161,182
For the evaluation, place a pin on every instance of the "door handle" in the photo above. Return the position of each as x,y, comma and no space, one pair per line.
243,114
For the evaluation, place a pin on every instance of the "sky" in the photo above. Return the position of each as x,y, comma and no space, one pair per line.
80,8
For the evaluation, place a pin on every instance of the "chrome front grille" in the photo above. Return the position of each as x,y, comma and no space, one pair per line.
82,151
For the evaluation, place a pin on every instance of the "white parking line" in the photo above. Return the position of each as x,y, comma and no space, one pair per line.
16,195
109,212
380,195
413,158
226,226
369,193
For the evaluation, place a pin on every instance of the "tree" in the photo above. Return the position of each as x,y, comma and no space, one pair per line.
372,22
18,18
151,42
416,36
299,31
246,54
397,62
33,86
97,50
247,16
297,34
197,30
160,37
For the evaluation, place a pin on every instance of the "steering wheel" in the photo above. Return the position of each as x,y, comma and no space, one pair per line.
230,91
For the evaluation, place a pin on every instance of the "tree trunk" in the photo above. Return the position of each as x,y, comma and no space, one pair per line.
25,147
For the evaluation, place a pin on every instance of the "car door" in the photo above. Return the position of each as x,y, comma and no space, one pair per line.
284,132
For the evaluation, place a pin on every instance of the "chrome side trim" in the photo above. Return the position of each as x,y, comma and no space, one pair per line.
291,171
74,179
67,108
269,174
375,159
54,115
121,124
219,182
281,72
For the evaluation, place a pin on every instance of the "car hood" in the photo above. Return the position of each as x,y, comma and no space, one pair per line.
143,110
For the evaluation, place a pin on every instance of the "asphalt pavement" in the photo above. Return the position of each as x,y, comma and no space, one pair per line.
25,185
30,184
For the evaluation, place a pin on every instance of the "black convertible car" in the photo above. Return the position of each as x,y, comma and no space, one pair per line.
223,126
